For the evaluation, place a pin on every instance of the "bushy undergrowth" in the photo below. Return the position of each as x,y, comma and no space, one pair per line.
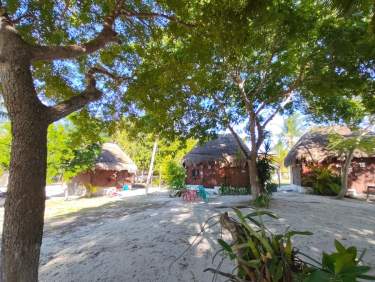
175,175
229,190
323,181
264,256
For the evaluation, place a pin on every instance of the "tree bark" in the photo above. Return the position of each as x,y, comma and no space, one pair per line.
25,201
256,188
24,205
345,174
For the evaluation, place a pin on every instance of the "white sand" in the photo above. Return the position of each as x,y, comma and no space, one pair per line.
137,238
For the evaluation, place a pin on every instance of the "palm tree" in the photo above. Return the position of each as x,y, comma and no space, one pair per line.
291,130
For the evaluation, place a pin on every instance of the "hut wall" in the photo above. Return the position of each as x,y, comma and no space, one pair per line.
211,175
105,178
361,174
296,169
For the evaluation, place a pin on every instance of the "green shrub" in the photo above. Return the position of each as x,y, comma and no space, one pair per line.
261,255
272,187
175,175
263,200
265,170
323,181
229,190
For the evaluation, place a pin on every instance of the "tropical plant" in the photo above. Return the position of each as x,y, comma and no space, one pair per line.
262,255
323,180
174,174
344,265
229,190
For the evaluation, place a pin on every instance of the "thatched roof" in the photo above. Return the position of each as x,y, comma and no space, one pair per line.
312,146
113,158
223,149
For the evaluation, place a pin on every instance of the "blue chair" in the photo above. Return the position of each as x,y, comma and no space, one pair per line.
202,193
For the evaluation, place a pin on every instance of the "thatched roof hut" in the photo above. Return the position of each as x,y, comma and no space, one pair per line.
312,146
224,149
113,158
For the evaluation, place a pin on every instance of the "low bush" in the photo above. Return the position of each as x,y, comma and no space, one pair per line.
229,190
323,181
262,201
261,255
265,170
272,187
175,175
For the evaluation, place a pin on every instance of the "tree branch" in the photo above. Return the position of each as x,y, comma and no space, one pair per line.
281,106
48,53
106,36
90,94
238,140
241,86
155,15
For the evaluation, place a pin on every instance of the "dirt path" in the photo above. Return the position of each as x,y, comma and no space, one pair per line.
137,239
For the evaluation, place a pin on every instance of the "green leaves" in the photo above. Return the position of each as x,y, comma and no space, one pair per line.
340,266
264,256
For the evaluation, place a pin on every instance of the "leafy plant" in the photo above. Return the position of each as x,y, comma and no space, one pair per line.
175,175
262,255
323,181
263,200
265,167
341,266
271,187
229,190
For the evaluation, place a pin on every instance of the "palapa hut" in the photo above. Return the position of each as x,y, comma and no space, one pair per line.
217,162
312,149
112,168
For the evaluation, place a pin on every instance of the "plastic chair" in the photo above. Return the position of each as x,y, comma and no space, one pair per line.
202,193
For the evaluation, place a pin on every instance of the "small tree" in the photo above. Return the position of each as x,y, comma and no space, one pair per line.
346,146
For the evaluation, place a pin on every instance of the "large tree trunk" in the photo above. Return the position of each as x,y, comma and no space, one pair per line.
25,202
345,174
24,205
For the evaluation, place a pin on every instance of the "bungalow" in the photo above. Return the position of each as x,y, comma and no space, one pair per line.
217,162
312,149
112,168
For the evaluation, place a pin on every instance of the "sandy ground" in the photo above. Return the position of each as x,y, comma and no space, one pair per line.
137,238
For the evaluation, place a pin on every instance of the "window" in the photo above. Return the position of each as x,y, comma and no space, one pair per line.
195,172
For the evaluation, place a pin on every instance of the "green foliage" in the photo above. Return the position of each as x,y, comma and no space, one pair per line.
83,159
229,190
138,139
271,187
323,181
5,142
262,201
262,255
341,266
265,170
174,174
359,140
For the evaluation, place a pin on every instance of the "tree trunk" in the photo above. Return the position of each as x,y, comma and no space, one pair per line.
345,174
254,178
25,202
152,161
